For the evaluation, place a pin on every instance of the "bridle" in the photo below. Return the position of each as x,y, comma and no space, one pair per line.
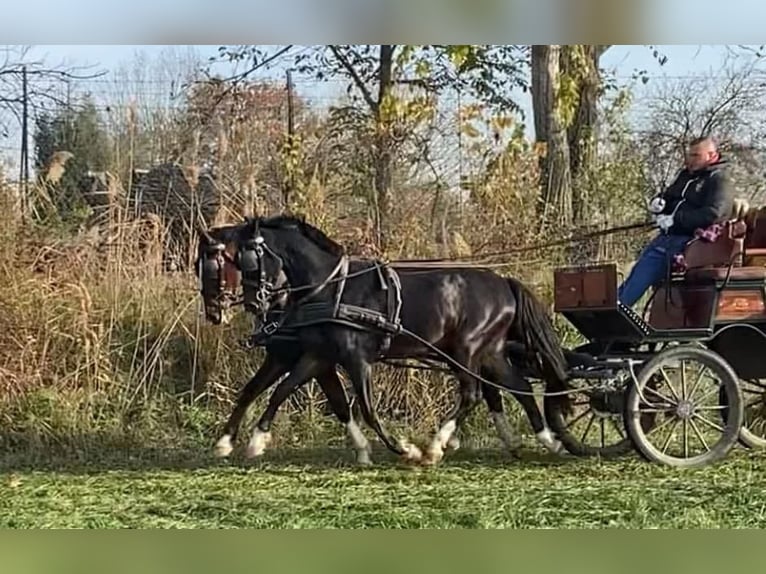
212,273
251,256
250,259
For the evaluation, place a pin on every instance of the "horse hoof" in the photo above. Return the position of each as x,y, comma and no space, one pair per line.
257,445
223,447
363,458
432,457
557,447
453,443
412,454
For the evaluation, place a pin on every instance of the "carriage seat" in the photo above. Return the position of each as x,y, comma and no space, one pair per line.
755,238
711,257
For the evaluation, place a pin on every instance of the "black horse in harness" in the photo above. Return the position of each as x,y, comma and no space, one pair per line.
217,267
354,313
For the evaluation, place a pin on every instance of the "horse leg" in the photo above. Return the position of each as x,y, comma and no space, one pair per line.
468,399
306,368
509,377
360,373
495,405
336,396
268,373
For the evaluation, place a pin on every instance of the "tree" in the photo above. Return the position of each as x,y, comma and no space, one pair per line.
728,105
375,76
76,131
566,87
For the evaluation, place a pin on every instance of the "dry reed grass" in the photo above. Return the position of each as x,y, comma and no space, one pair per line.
97,343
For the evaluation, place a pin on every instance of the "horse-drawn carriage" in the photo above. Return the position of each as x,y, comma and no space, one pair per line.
710,312
707,320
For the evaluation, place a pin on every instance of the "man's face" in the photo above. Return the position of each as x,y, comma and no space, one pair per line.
700,155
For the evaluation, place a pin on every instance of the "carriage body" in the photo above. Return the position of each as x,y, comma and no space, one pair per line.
714,303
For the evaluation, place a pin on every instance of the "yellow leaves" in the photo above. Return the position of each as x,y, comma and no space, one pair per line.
475,122
501,123
413,110
567,98
423,68
458,54
469,130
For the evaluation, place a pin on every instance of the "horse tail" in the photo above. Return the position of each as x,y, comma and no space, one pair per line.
534,329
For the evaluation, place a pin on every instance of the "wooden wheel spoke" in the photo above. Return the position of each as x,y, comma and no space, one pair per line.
701,438
709,394
711,408
661,425
587,428
670,385
659,394
708,422
601,423
617,427
697,382
579,417
670,435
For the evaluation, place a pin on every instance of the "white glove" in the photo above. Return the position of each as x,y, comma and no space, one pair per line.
664,222
657,205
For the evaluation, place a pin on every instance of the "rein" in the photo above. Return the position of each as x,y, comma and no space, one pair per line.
465,262
479,256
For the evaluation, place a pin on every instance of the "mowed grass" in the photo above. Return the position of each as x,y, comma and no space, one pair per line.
323,489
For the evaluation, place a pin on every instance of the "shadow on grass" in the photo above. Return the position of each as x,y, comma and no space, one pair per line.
89,455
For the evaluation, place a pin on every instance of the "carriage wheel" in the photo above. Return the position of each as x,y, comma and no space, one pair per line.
753,431
594,426
685,398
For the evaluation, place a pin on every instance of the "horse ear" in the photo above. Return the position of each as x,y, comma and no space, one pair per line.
202,232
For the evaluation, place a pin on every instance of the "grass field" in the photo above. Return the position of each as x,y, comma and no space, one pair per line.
322,489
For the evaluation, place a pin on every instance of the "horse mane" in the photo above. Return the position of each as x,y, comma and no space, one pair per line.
226,233
311,233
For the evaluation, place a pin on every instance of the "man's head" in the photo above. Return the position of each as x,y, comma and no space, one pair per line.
702,152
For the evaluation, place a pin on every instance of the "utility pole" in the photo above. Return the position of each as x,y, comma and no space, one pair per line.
24,160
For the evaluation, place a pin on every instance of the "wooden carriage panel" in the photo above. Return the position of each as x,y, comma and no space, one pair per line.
593,287
741,305
686,307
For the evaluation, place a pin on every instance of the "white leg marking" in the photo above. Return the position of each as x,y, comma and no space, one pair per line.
435,450
223,447
362,446
546,438
412,453
453,443
257,444
512,441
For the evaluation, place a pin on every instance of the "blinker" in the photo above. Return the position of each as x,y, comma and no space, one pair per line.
249,257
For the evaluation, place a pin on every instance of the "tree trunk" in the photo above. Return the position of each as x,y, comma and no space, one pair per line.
549,129
582,135
382,181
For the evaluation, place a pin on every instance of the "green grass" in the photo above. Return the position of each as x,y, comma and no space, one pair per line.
322,489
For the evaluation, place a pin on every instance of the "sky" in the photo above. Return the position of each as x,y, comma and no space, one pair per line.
683,60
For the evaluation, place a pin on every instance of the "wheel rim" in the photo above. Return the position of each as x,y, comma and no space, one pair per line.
754,422
689,428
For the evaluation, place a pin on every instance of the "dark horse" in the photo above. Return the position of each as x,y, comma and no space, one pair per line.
350,318
220,277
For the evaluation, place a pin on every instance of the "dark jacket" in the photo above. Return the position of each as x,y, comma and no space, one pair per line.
699,199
